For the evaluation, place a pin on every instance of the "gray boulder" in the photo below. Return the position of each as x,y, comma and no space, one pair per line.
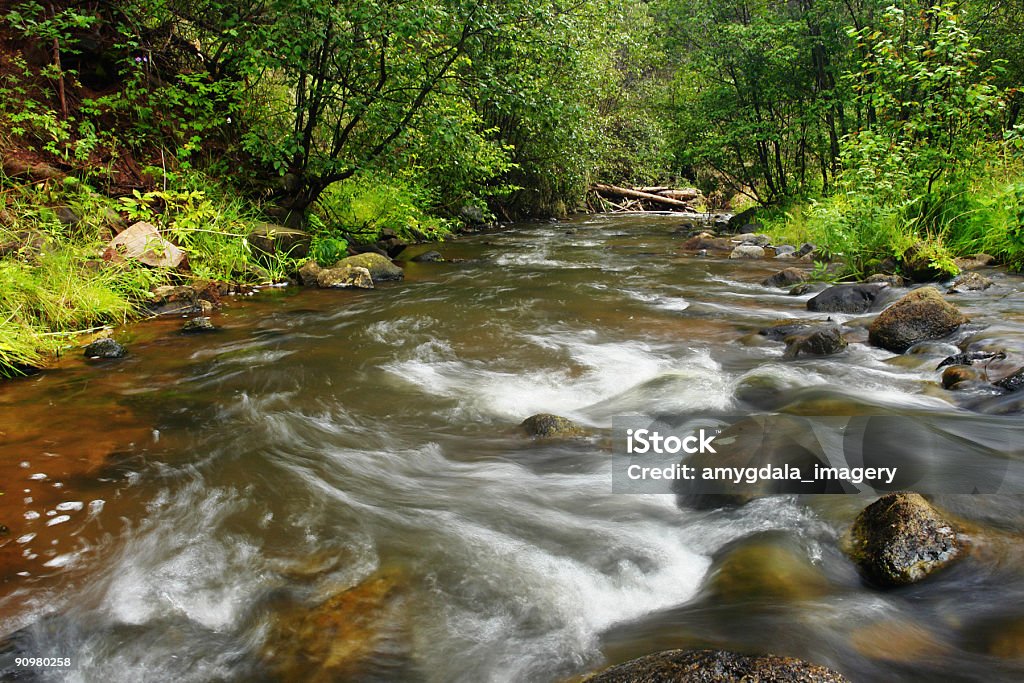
824,341
747,251
846,298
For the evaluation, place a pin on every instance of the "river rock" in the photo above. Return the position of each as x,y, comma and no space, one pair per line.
706,242
891,279
970,282
824,341
847,298
381,268
347,276
784,249
142,242
548,426
272,239
920,315
972,357
334,640
787,327
715,666
974,262
801,289
198,325
901,539
768,567
1014,382
757,239
104,348
747,251
806,249
309,272
428,257
786,277
956,374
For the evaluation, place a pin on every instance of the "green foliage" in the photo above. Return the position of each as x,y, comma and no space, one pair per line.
365,206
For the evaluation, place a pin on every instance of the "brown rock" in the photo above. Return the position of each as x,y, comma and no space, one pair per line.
970,282
309,272
901,539
921,315
955,374
786,277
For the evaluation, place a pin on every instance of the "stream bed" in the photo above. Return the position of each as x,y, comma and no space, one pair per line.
333,486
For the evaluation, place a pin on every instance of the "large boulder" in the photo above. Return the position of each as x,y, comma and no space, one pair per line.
823,341
344,277
847,298
920,315
715,666
745,251
381,268
900,539
548,426
785,278
142,242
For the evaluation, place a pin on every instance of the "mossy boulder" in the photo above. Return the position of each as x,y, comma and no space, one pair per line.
901,539
920,315
916,265
344,277
548,426
309,272
381,268
715,666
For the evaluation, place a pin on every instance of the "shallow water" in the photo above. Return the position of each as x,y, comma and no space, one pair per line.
198,510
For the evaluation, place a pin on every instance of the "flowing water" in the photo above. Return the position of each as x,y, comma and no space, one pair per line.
332,487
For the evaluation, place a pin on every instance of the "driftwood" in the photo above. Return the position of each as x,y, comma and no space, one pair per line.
663,196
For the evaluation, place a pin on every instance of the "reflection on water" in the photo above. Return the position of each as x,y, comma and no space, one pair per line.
332,488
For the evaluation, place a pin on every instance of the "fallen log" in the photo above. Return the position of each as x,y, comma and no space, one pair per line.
602,189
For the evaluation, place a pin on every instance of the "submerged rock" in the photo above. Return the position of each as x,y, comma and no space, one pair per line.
766,568
548,426
786,277
970,282
428,257
104,348
747,251
715,666
847,298
919,316
334,640
344,277
955,375
824,341
381,268
1014,382
198,325
901,539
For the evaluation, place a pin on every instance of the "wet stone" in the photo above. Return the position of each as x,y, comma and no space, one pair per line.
198,325
104,348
